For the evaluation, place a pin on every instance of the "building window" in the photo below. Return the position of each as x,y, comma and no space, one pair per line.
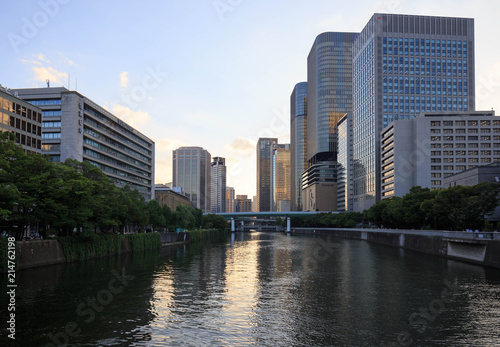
473,152
435,152
435,167
435,123
435,138
436,182
472,122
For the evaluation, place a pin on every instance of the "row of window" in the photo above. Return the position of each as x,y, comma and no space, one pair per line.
462,152
464,160
469,145
484,122
20,110
462,138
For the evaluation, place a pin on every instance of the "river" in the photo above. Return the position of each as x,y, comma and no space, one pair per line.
259,289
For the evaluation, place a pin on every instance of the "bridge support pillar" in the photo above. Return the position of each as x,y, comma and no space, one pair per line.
232,225
288,224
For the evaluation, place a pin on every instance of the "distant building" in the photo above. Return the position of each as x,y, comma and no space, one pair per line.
319,187
230,199
23,119
284,206
281,174
77,128
254,203
243,204
264,174
170,198
218,185
298,142
426,150
191,172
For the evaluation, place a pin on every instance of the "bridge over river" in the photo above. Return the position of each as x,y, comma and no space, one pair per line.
263,221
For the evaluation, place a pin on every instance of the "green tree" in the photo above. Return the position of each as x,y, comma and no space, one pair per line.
156,218
214,221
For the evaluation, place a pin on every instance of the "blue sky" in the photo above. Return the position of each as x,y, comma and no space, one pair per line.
211,73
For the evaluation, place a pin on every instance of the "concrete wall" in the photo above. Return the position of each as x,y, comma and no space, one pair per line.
37,253
470,247
46,252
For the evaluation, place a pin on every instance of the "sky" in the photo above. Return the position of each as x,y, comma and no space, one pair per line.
211,73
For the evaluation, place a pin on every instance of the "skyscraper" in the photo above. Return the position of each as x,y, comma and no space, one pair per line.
191,172
404,65
329,98
264,174
218,185
298,142
345,164
281,176
229,199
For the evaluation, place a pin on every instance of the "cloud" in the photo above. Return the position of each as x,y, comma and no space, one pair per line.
241,144
133,118
41,57
124,79
43,72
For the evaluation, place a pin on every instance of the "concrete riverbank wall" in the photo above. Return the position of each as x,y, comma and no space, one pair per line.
46,252
479,248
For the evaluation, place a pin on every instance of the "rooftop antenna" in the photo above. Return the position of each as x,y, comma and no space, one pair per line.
48,83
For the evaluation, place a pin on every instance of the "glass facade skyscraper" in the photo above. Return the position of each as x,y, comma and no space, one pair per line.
404,65
281,175
191,172
329,92
298,142
264,174
218,185
329,98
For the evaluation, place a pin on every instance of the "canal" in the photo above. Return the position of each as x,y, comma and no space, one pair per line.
261,289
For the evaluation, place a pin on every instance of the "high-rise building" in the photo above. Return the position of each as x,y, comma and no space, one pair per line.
345,164
281,175
218,185
229,199
264,174
298,142
329,98
22,119
424,151
404,65
191,172
77,128
254,203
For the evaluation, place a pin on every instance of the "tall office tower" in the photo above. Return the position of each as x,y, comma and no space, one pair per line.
23,119
329,98
345,164
298,142
281,176
77,128
404,65
229,199
191,172
218,185
264,174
